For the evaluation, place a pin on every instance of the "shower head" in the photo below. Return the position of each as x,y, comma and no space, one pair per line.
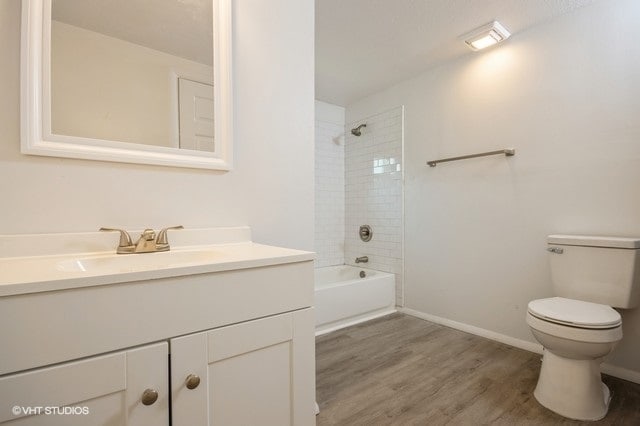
357,131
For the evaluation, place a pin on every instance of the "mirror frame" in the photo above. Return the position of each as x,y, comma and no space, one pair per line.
35,106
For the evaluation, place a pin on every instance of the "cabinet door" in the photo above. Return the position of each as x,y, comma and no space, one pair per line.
259,372
104,390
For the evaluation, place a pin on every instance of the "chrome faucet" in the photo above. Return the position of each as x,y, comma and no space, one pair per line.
147,243
362,259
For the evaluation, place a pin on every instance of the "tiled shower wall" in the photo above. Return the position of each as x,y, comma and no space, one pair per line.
329,187
373,193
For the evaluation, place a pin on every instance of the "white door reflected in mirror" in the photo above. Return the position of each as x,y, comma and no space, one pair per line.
196,115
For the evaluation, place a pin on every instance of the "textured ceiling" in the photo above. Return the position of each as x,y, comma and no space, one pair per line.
364,46
179,27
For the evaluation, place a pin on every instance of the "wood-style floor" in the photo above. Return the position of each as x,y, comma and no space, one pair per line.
401,370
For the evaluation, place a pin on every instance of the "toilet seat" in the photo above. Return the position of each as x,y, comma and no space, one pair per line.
575,313
576,334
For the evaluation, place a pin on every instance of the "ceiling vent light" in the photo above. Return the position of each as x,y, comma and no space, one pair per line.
486,36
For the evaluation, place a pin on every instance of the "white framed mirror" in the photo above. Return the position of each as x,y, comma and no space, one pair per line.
132,81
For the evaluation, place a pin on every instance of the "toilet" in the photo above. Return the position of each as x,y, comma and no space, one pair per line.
579,327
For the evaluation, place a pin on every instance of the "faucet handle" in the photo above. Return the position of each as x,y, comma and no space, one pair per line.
162,235
125,238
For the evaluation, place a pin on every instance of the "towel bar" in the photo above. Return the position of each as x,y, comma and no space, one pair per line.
507,152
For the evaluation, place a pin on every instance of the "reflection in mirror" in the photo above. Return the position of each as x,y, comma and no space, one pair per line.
130,81
133,71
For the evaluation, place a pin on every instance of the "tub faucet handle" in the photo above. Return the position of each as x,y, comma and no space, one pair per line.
362,259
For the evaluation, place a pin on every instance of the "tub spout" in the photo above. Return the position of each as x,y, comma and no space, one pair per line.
362,259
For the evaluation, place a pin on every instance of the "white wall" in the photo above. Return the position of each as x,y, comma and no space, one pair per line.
270,189
329,188
566,96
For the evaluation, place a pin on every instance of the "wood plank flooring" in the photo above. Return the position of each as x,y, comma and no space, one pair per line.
401,370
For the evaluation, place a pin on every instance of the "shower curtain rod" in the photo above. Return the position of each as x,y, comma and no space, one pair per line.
507,152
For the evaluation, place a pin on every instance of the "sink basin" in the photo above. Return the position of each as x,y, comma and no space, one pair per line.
111,263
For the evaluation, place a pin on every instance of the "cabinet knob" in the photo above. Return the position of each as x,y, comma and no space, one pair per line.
192,381
149,396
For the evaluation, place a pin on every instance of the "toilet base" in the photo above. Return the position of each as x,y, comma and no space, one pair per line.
572,387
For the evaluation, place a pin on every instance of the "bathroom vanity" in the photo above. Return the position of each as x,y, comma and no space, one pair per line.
217,331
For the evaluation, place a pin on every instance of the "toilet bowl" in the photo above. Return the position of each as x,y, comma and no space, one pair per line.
576,336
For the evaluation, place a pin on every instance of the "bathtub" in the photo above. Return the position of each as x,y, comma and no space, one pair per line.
342,298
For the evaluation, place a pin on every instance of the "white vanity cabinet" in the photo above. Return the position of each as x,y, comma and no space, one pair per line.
239,317
258,372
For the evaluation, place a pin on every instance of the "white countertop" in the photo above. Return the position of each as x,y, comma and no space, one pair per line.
74,269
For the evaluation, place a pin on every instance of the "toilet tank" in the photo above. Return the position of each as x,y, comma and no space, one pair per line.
602,270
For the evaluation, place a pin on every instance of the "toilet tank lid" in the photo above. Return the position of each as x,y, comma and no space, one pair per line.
575,312
594,241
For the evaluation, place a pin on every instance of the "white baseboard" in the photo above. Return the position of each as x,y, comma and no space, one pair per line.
492,335
612,370
621,373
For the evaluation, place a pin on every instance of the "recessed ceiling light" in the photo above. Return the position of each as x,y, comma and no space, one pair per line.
485,36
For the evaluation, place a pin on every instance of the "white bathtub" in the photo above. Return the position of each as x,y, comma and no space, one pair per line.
342,298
